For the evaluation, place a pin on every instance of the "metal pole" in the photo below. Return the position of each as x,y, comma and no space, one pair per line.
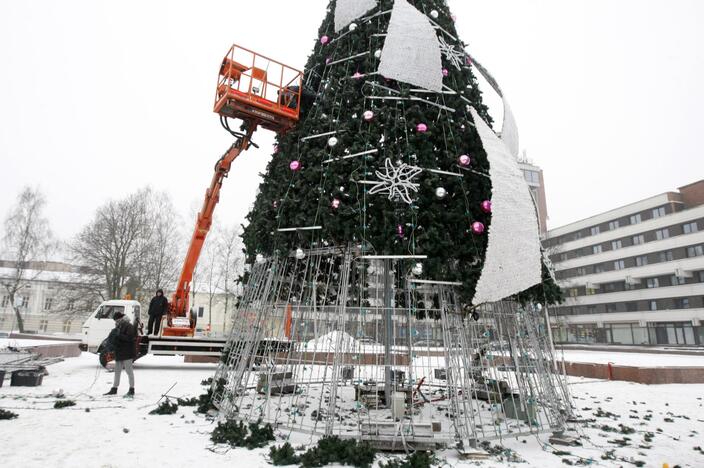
388,311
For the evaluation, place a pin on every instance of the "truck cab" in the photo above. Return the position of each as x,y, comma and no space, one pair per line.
99,324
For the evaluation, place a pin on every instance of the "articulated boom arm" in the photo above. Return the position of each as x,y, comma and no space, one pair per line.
179,302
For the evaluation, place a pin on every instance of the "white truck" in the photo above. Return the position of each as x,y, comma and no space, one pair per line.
99,324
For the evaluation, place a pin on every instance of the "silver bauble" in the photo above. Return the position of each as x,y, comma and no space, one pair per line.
417,269
440,192
300,254
332,142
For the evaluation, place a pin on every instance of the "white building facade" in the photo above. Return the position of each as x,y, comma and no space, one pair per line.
53,299
634,274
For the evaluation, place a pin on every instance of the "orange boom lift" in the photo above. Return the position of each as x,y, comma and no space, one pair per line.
258,91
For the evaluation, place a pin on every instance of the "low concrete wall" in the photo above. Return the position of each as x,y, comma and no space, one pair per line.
643,375
70,349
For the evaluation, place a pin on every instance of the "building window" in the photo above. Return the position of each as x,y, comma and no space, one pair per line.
574,292
690,227
652,283
67,326
43,325
613,225
563,257
666,256
591,309
591,291
701,276
635,219
639,239
658,212
631,306
695,251
610,308
581,271
25,302
5,301
676,280
662,234
642,260
596,249
48,301
599,268
201,310
619,265
577,235
595,230
615,245
532,177
70,304
682,303
653,305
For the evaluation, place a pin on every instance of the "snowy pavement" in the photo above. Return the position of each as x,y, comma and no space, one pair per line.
631,359
120,433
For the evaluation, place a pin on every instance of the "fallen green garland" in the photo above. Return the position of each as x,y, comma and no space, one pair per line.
4,414
236,434
165,407
58,404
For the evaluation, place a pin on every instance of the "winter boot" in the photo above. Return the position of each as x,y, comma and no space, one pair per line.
113,391
130,393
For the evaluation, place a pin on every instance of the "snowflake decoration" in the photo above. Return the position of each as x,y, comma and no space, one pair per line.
456,57
397,181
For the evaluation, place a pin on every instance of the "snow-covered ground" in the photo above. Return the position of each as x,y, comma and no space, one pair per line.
120,433
631,359
27,343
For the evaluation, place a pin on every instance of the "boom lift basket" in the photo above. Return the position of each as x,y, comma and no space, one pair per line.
252,87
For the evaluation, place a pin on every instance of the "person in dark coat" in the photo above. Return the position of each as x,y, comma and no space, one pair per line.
123,341
158,307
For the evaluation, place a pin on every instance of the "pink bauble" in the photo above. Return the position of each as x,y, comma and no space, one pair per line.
421,128
324,40
486,206
477,228
276,149
399,230
328,60
275,204
445,72
368,115
335,203
464,160
468,60
357,75
295,165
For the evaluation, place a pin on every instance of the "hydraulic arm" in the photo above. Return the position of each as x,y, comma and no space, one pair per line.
180,320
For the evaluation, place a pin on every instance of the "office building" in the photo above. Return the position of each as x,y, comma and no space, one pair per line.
634,274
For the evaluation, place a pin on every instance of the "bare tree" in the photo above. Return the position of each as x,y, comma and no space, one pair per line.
162,247
116,241
231,266
27,239
210,273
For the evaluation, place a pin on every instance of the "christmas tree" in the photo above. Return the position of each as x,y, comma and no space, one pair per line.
392,166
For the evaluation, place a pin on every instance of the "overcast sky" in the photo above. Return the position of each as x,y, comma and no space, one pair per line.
98,98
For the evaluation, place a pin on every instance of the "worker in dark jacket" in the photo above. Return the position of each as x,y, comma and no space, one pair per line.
123,338
158,307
